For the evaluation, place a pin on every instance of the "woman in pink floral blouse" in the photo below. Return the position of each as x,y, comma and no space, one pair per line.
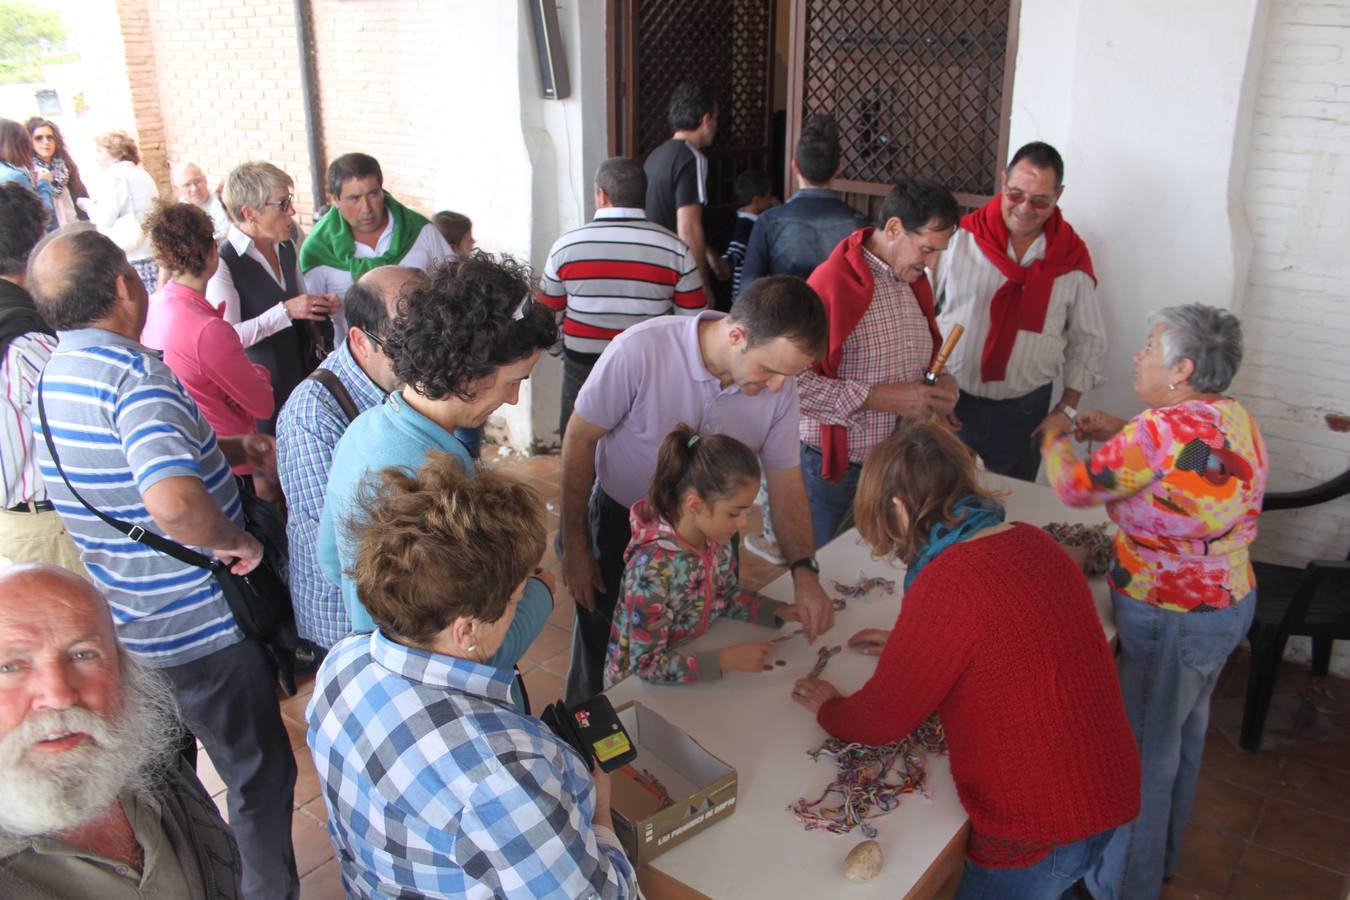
679,576
1183,480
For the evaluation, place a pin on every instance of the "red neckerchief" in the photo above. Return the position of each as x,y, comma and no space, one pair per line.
1021,303
844,283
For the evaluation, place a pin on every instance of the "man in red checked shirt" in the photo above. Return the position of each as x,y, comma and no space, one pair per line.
883,336
619,270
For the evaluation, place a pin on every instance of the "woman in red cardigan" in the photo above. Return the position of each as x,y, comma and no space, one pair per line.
997,633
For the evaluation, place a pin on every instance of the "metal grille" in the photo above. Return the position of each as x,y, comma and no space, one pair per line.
916,86
725,43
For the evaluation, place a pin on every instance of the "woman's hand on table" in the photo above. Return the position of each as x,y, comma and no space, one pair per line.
870,641
813,692
744,657
1097,425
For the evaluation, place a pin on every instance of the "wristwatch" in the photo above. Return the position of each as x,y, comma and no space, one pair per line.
1070,413
806,562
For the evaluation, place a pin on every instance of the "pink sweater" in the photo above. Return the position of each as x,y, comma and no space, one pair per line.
204,351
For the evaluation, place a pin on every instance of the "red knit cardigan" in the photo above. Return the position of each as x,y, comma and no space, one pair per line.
1001,637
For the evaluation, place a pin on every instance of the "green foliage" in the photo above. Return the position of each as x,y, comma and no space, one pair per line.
28,34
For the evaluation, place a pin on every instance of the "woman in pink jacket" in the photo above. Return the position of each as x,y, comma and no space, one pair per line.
201,348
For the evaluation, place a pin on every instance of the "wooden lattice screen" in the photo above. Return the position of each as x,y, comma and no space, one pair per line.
919,87
656,44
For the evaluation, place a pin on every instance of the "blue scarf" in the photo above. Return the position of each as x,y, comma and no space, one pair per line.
976,514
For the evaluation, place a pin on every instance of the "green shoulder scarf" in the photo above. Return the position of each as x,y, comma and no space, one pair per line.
331,242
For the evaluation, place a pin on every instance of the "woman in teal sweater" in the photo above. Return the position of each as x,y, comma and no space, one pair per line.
462,344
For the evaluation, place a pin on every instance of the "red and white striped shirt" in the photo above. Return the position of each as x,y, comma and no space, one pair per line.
891,344
615,272
23,362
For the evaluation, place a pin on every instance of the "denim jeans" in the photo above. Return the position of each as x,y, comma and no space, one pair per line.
830,503
1000,431
1169,663
1048,879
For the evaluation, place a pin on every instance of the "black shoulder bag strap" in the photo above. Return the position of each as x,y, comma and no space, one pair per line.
338,390
135,532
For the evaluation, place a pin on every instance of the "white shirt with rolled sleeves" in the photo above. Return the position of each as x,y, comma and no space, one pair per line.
1072,344
220,291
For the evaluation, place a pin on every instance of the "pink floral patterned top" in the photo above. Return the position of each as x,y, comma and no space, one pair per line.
1184,484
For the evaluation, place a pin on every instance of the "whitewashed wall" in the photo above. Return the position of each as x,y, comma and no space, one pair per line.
1297,314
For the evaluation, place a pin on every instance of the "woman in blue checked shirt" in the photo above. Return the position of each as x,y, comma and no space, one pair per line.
435,785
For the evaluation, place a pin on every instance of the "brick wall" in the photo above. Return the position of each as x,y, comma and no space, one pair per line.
384,80
227,78
138,38
1297,312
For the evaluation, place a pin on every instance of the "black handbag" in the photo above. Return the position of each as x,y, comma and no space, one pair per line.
260,601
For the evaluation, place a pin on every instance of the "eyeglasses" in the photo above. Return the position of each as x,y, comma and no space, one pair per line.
285,204
377,341
1017,198
44,137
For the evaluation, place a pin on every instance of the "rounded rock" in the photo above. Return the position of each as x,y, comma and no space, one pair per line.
863,862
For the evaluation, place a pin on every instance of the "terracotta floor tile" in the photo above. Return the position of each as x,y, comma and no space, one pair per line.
306,778
1266,875
564,611
1324,789
1335,754
316,809
1173,892
295,728
312,847
558,664
1308,835
295,706
551,641
544,688
324,883
1226,807
1254,771
1209,859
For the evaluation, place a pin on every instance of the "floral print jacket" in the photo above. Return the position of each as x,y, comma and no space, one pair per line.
1184,484
670,594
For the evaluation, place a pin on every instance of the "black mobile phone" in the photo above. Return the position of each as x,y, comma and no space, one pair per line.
593,730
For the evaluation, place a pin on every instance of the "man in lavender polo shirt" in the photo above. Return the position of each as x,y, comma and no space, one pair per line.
722,374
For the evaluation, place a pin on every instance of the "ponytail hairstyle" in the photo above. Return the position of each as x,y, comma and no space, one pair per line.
711,466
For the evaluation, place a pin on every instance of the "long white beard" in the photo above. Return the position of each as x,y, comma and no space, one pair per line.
125,753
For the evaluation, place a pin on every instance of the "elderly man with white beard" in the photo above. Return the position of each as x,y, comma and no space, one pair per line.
94,800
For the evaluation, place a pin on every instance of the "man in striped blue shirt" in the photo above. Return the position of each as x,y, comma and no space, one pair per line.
135,446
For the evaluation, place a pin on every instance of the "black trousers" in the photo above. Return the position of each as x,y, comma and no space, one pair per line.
1000,431
229,701
609,533
576,369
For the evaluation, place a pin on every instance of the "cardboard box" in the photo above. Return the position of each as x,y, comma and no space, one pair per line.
702,786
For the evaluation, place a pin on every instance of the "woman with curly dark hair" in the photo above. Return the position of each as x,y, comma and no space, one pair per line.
50,155
203,350
462,345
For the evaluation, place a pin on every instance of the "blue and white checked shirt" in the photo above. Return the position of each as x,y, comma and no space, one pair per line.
308,430
436,788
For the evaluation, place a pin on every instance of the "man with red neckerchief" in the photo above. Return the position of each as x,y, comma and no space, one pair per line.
1020,280
882,337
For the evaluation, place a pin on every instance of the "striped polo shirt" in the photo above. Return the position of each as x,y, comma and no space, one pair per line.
121,422
619,270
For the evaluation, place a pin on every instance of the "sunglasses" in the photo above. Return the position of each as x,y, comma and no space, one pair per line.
285,204
1016,198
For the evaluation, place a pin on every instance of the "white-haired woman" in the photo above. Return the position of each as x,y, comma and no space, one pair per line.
259,284
1183,480
121,202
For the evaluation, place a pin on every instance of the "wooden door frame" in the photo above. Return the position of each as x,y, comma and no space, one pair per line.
796,98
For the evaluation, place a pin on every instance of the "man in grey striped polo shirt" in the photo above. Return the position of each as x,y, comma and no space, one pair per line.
135,447
617,271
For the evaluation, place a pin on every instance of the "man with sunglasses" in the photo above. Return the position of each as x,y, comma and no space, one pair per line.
354,377
1020,281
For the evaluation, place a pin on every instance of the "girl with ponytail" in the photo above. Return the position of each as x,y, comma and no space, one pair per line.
679,576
